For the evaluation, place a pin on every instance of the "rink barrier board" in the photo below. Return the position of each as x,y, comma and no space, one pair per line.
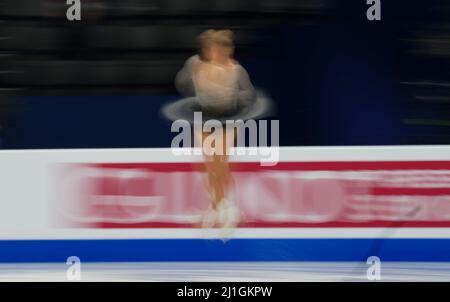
27,234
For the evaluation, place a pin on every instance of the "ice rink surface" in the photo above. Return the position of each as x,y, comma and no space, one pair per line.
227,271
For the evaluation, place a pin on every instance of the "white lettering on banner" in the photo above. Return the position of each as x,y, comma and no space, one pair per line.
96,195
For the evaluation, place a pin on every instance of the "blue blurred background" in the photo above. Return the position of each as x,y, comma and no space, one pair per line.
337,78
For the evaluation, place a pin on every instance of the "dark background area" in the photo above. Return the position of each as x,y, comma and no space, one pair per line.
337,78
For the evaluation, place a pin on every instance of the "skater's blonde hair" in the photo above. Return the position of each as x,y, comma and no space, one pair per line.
212,37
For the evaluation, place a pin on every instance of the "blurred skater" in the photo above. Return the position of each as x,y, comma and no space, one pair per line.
221,87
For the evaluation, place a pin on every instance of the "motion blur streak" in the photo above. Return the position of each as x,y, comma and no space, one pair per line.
333,74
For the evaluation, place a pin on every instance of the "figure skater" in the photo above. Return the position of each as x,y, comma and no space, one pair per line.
216,85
